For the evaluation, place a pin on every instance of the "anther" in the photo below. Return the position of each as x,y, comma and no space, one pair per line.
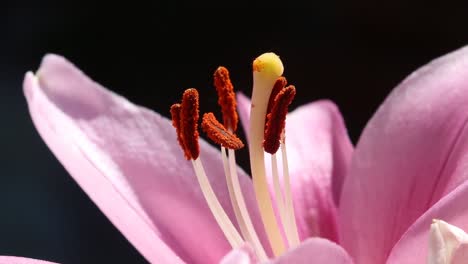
219,134
279,85
226,97
276,119
189,116
175,115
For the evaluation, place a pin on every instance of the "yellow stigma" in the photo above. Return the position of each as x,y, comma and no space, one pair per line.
269,65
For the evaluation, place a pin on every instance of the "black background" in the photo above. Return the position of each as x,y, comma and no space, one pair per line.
353,52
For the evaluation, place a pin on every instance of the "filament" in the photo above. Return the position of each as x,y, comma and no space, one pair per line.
217,210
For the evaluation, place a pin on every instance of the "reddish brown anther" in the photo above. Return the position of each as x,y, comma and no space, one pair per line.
277,87
189,116
226,97
185,120
276,119
219,134
175,114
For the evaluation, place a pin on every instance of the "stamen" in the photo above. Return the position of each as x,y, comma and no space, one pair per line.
223,135
226,98
274,134
175,115
189,116
266,70
218,133
185,119
276,119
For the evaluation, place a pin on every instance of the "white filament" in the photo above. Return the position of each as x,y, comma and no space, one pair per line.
280,204
217,210
232,196
291,223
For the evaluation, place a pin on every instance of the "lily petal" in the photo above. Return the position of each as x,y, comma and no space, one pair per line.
319,153
413,246
315,250
127,159
412,152
20,260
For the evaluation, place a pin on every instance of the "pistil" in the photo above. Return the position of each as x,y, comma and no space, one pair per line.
227,102
266,69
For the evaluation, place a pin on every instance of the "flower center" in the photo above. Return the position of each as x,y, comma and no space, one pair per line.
270,101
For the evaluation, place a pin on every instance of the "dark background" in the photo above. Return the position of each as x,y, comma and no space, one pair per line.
353,53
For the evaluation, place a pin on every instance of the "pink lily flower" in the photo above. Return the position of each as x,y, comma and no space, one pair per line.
407,169
128,161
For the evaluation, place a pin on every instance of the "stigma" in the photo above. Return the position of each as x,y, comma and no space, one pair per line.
271,98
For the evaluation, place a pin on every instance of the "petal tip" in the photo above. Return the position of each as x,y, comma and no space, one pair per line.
52,58
52,62
28,85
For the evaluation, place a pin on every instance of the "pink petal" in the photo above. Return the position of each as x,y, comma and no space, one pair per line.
413,246
319,152
19,260
411,154
128,161
315,250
